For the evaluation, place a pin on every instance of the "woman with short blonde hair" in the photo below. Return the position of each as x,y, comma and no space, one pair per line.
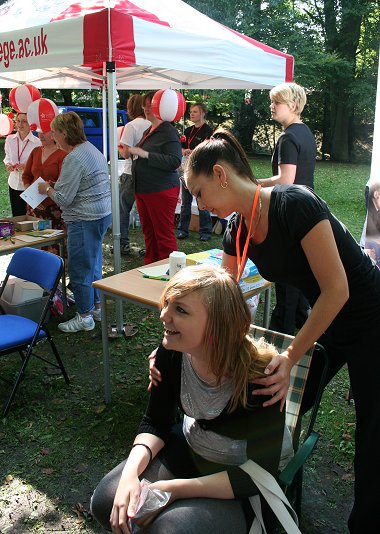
293,161
289,93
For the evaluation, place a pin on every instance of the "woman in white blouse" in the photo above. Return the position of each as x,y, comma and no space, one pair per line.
17,148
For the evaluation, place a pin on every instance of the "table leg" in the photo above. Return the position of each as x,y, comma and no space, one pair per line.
106,350
64,290
119,315
267,296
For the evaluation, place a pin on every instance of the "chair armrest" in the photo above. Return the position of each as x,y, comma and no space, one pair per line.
288,473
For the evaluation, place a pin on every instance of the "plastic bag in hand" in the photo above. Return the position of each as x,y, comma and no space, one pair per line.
150,504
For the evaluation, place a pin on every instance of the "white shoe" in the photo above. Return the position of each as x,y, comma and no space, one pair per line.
77,323
97,314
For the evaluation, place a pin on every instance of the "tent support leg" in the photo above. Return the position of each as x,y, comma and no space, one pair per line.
112,124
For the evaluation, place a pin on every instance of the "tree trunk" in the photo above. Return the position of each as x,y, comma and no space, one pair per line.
340,135
342,22
67,96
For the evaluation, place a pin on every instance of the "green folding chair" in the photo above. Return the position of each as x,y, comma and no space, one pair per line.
304,442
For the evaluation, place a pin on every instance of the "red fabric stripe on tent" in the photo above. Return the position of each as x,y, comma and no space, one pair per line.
95,38
289,65
123,39
77,10
123,6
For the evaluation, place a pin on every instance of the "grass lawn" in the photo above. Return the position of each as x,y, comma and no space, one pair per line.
58,441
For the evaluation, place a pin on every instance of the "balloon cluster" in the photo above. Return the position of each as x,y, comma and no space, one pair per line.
39,111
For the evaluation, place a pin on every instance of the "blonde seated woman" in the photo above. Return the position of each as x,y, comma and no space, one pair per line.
207,361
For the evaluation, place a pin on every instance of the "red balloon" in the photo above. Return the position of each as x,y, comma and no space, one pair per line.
40,114
6,125
168,105
22,96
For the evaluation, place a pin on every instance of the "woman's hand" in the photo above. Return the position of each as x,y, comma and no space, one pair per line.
154,374
137,151
162,485
42,188
19,167
125,504
10,167
277,381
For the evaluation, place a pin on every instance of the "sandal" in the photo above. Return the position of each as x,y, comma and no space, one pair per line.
130,330
112,332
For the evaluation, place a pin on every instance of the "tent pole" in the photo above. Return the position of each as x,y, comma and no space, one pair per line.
104,124
111,88
375,161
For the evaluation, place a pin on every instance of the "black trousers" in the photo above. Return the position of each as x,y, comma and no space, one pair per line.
187,516
18,206
361,352
291,310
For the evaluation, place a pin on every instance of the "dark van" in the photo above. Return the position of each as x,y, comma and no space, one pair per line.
93,122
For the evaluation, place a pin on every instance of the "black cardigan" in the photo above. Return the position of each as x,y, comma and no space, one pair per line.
263,428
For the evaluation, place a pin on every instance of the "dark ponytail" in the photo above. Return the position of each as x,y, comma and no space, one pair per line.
221,147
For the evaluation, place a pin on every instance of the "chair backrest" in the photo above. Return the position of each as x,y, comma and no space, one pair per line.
298,377
35,265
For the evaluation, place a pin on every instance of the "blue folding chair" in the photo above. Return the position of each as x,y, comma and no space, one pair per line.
20,334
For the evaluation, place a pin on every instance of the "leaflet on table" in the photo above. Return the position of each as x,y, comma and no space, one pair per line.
251,278
156,271
46,233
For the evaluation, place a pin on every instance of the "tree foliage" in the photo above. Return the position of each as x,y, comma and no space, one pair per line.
335,44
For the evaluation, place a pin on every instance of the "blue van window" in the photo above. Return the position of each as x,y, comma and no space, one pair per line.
90,120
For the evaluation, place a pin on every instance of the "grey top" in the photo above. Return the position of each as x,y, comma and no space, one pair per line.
83,189
203,401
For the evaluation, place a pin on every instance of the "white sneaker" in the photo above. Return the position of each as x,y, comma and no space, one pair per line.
97,314
77,323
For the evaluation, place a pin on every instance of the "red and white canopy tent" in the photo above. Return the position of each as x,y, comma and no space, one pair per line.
145,44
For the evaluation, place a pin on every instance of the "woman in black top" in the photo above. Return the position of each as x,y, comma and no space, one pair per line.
193,136
154,169
293,161
293,238
207,364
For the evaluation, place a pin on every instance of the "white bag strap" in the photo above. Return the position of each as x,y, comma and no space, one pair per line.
257,526
275,497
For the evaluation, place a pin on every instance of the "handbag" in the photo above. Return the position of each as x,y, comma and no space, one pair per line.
274,496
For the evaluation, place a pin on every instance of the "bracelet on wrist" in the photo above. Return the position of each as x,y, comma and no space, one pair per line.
147,448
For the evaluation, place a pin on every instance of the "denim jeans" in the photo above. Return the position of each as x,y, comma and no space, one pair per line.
127,199
205,223
84,246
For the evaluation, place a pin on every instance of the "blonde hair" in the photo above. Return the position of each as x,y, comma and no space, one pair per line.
233,353
201,106
72,125
288,93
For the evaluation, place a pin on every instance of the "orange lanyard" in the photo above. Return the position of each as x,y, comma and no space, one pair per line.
241,260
